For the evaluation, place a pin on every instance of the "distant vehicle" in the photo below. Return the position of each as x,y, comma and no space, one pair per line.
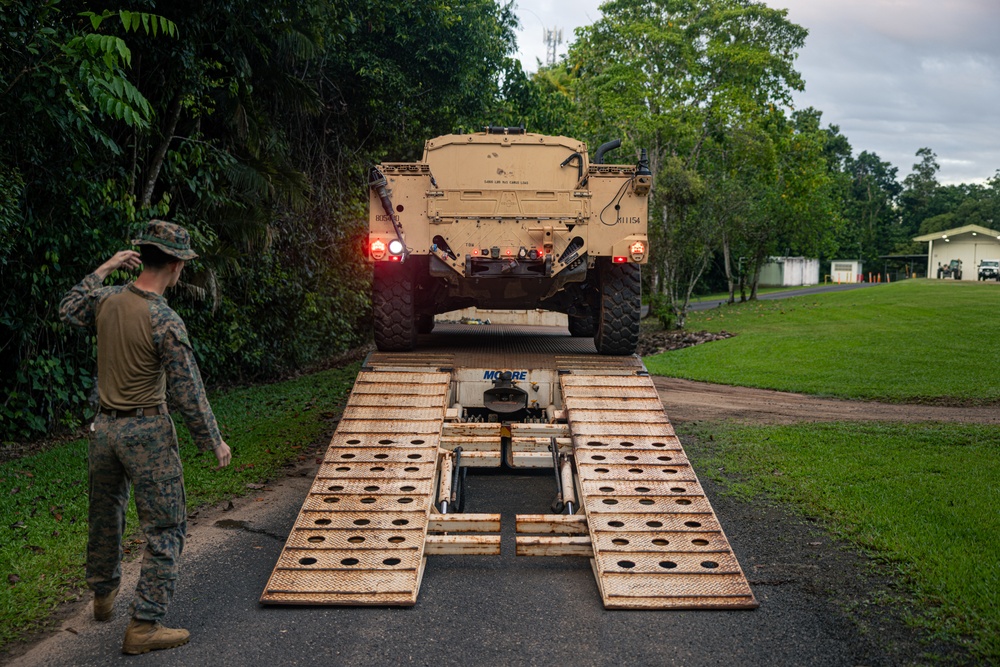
952,269
989,269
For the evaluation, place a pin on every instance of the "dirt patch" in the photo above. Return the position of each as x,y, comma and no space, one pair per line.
685,400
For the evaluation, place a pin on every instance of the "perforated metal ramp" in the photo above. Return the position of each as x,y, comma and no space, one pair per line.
655,540
360,536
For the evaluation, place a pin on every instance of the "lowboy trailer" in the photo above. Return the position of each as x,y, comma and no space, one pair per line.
390,490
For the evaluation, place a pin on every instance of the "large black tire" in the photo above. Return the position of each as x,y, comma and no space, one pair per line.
582,326
392,301
620,311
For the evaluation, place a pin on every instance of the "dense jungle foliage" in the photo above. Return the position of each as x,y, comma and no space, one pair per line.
253,125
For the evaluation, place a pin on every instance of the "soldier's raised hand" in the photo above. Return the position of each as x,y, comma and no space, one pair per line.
128,259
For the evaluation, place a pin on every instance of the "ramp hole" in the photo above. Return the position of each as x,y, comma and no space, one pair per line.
597,457
331,499
354,441
323,522
619,541
601,470
646,501
400,522
683,501
349,561
367,501
405,501
642,489
654,524
700,543
692,524
371,488
668,564
636,471
335,487
610,501
659,444
411,469
670,471
347,456
362,522
307,561
627,564
355,539
597,443
615,524
663,458
377,469
416,442
385,441
396,539
343,468
660,542
631,457
627,444
407,489
607,489
678,489
414,456
392,561
316,539
381,456
709,564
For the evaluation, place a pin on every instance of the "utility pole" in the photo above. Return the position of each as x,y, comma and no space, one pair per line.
552,38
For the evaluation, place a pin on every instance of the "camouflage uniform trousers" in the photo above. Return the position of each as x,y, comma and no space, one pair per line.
143,451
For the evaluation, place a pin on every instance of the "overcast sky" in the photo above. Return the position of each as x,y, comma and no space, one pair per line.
895,75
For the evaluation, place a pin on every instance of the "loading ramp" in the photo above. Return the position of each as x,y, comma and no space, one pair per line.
384,497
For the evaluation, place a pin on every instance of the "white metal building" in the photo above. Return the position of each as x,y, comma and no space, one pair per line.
846,271
789,272
970,244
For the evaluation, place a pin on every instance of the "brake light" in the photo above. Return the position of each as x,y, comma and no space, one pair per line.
638,251
619,260
378,249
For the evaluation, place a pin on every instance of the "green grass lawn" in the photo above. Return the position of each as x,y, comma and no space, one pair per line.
912,341
924,498
43,498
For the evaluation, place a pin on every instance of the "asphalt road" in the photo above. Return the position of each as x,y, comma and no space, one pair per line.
488,610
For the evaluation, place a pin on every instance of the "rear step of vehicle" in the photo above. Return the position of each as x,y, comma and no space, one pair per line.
652,536
365,528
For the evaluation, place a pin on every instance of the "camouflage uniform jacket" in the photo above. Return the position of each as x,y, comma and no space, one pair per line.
81,307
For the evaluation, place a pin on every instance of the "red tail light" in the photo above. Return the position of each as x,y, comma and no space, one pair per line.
378,249
619,260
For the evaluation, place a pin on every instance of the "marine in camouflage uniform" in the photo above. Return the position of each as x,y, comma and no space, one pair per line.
143,354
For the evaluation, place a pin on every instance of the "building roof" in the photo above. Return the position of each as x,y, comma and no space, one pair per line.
973,229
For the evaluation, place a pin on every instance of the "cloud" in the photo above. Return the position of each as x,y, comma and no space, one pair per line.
895,75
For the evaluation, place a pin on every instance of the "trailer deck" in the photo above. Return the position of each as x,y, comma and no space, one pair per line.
385,494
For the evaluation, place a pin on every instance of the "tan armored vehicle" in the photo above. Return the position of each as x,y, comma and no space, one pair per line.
509,219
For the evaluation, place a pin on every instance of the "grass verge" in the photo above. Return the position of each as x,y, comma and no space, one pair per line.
913,341
924,499
43,498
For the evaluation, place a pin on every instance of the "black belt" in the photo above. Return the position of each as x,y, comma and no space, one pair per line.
160,409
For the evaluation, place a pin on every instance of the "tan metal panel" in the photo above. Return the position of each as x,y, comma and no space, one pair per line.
393,440
656,541
389,427
371,486
404,504
399,413
352,455
377,470
317,538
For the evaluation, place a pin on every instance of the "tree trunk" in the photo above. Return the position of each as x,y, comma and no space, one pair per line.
173,116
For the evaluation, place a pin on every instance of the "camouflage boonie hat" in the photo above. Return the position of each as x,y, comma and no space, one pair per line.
168,237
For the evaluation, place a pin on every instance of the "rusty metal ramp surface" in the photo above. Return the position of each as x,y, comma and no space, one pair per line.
656,541
360,536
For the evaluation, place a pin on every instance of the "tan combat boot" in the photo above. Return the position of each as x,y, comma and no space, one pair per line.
103,604
146,636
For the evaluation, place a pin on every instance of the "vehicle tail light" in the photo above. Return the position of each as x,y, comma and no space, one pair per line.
638,251
378,249
619,260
